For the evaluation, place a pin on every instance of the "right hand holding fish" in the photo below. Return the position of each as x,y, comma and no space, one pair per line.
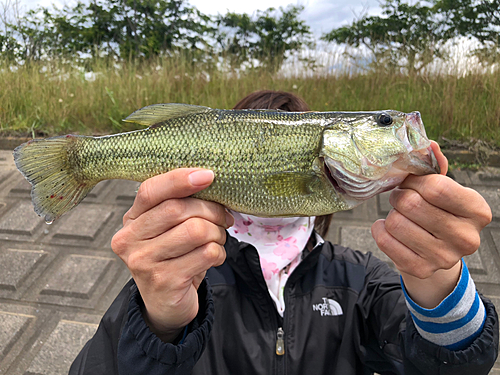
168,242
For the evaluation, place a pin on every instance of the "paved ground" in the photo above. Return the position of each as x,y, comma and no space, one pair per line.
57,280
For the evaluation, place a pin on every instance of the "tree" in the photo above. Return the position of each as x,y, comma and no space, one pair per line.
9,46
269,37
34,35
409,37
128,29
152,27
406,37
477,19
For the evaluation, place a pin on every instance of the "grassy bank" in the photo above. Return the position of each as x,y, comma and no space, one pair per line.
58,99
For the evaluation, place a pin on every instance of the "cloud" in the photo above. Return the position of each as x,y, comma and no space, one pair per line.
321,15
324,15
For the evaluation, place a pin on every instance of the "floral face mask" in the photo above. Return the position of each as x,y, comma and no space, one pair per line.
279,242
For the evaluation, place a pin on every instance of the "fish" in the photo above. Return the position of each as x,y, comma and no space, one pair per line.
267,163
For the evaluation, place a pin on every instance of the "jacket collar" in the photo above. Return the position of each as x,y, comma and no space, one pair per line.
244,260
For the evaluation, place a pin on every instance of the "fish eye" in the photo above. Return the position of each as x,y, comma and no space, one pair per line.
384,119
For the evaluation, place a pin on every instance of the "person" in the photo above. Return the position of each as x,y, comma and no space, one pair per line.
208,298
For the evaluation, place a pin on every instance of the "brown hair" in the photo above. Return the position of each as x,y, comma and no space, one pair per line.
269,99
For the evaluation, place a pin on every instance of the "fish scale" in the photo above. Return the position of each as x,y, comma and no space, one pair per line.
266,163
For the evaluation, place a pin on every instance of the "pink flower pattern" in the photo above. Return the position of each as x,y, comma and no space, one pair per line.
287,248
279,243
241,225
268,268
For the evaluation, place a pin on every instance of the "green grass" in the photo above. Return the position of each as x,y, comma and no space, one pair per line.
56,99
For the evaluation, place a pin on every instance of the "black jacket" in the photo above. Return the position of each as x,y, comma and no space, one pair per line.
236,328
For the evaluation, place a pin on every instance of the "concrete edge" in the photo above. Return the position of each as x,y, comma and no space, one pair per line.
461,156
10,143
468,157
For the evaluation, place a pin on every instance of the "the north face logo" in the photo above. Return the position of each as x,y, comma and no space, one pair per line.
329,307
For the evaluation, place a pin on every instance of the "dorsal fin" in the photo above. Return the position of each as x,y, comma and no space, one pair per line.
262,110
153,114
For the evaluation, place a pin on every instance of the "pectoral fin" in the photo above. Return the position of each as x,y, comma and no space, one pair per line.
291,184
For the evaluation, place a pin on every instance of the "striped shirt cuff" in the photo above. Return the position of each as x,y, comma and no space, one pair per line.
456,321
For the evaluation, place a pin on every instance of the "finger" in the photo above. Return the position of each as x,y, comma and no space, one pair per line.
450,196
434,220
182,239
201,259
405,259
441,159
410,234
172,212
431,232
181,271
178,183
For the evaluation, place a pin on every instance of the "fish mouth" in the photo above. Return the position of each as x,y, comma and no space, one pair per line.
355,186
420,159
421,162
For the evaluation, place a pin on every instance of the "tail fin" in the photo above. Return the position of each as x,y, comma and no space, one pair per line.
45,164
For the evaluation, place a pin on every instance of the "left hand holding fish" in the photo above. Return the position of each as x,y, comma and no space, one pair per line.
434,223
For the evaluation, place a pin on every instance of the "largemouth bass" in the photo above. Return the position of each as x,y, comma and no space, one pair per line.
266,162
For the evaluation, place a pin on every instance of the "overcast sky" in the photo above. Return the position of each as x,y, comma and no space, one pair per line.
320,15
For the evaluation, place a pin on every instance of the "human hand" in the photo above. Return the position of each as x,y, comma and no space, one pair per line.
434,223
168,242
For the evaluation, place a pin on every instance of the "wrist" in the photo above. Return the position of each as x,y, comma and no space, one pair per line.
165,334
430,292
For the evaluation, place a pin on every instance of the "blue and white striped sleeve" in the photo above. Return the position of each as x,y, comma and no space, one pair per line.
456,321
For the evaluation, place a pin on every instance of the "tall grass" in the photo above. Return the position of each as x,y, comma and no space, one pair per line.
57,98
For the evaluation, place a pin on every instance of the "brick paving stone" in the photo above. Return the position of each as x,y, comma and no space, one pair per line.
23,187
4,175
489,273
2,207
11,327
99,189
475,264
3,157
383,203
492,197
17,265
460,176
60,349
126,191
7,160
84,222
495,234
77,276
20,219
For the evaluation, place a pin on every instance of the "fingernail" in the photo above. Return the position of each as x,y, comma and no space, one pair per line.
229,220
201,177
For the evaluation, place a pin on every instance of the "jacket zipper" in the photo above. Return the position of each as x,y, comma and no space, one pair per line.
280,338
280,343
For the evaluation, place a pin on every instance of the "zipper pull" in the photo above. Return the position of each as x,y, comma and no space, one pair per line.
280,343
